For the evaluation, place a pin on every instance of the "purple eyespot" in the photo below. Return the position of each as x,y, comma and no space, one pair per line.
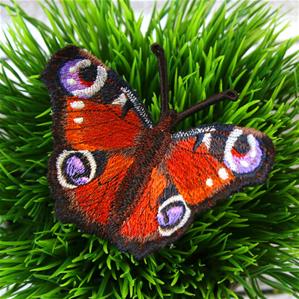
81,78
170,215
81,181
173,214
75,168
76,171
246,157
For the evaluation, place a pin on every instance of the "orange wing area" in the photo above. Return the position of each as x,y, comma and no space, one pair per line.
95,198
197,175
93,107
142,224
99,126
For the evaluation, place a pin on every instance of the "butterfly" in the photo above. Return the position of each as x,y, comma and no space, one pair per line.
116,174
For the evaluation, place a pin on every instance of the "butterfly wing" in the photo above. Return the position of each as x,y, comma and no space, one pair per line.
202,166
97,119
93,108
217,161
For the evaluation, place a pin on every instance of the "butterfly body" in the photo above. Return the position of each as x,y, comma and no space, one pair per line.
115,173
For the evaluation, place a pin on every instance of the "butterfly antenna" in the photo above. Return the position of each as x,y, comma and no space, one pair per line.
159,52
225,95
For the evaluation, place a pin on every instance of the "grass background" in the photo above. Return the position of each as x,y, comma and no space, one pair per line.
250,237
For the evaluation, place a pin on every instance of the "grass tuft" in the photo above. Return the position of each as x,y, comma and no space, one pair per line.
250,237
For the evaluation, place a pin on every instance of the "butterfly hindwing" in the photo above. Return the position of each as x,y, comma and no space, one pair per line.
156,217
211,162
87,204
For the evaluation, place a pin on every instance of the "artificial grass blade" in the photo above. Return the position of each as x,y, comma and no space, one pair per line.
250,237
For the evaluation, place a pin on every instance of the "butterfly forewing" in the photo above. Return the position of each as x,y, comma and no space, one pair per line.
211,162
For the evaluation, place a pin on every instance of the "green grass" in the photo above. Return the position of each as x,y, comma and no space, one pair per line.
250,237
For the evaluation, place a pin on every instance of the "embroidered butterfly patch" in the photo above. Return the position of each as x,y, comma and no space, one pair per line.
118,175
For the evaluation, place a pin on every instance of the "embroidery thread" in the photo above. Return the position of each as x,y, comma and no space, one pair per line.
116,174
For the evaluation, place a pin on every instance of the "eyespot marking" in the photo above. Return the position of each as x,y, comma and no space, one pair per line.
246,159
75,83
173,214
71,81
75,168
